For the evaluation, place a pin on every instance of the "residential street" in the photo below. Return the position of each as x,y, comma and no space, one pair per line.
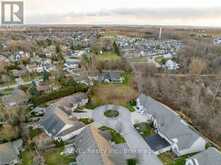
15,85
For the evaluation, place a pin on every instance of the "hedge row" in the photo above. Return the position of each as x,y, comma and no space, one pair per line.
65,91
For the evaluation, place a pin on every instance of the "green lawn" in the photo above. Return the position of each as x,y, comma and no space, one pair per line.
86,120
53,157
161,60
27,157
144,129
169,159
131,104
131,161
116,137
108,56
111,113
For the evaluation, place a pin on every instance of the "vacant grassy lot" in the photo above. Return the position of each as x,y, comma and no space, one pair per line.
53,157
169,159
144,129
8,132
108,56
112,94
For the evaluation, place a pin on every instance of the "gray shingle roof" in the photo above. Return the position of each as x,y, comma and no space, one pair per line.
18,97
88,148
51,122
209,157
9,152
110,75
55,119
169,122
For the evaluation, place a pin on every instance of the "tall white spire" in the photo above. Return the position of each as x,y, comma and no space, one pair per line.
160,33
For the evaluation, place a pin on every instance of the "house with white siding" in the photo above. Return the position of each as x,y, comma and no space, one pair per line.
169,125
209,157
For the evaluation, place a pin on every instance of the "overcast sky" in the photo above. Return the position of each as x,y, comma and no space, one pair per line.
138,12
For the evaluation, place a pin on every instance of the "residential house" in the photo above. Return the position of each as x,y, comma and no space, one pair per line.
58,125
209,157
71,103
111,77
3,62
92,148
217,41
19,56
168,124
42,87
9,152
171,65
71,64
16,99
31,68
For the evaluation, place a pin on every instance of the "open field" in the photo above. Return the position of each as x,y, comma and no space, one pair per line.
118,94
112,94
108,56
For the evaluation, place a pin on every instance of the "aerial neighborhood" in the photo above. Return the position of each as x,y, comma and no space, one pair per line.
107,96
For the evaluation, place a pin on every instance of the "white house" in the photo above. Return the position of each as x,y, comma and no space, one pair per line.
217,41
168,124
171,65
209,157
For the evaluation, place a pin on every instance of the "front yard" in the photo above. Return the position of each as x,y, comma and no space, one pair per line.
144,129
169,159
116,137
54,157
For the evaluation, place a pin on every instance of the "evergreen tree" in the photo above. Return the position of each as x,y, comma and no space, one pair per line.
45,76
116,48
33,89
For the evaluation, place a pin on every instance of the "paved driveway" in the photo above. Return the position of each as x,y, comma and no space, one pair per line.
123,125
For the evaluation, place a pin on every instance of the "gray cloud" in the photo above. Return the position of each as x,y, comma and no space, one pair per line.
184,14
165,12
